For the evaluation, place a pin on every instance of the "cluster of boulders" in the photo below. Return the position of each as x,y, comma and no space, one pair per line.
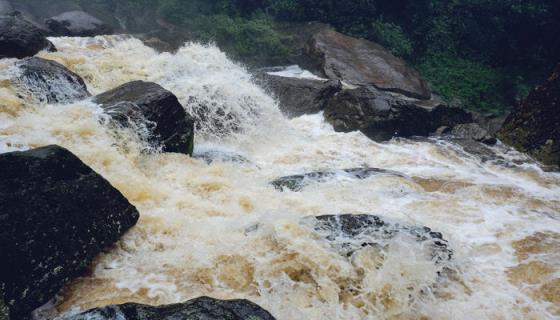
22,36
360,86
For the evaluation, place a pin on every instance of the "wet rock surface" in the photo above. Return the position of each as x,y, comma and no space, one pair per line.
300,181
381,116
173,128
472,131
48,81
203,308
77,24
19,38
56,215
298,96
534,126
211,156
364,63
350,233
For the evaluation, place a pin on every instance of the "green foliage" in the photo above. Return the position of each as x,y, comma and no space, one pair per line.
392,37
241,36
473,84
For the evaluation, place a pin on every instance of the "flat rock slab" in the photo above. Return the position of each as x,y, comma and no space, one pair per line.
364,63
203,308
56,215
300,181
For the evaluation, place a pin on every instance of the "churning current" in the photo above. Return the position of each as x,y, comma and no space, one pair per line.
221,229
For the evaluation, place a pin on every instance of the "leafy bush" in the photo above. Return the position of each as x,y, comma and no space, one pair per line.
477,86
241,36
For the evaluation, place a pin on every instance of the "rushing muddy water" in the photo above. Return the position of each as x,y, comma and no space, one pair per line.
222,230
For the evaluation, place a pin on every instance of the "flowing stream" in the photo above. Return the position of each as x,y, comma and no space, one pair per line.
222,230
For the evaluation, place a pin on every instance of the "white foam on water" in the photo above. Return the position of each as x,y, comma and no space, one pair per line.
222,230
296,71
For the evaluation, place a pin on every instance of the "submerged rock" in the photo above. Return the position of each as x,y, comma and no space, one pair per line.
56,215
381,116
50,82
364,63
77,24
300,181
349,234
472,131
210,156
300,96
534,126
19,38
173,128
203,308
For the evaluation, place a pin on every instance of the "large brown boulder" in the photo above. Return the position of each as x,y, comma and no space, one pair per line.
364,63
56,216
534,126
382,116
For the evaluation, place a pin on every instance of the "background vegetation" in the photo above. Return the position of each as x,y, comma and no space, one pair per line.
482,53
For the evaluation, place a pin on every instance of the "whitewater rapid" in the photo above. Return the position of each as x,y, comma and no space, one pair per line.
222,230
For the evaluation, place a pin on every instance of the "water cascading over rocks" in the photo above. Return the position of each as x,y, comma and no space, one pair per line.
222,230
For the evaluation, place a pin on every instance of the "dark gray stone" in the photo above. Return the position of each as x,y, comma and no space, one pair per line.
300,181
173,128
349,233
203,308
19,38
56,215
77,24
210,156
298,96
534,126
381,116
50,82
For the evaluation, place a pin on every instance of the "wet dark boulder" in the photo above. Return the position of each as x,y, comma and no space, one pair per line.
300,181
77,24
363,63
534,126
56,216
48,81
203,308
173,128
382,116
300,96
349,234
19,38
